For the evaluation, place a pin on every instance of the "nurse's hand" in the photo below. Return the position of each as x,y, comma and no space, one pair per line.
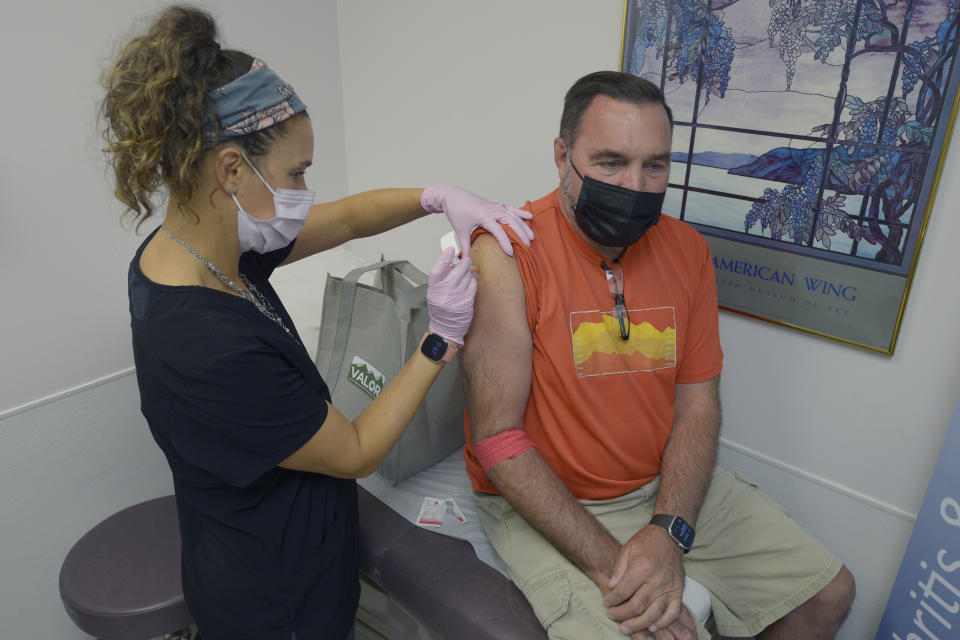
466,211
450,292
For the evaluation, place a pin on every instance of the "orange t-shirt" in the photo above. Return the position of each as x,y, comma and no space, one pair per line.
601,408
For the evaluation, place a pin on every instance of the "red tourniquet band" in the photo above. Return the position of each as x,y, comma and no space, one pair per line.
507,444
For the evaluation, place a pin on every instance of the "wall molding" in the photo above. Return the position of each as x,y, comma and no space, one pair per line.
820,480
66,393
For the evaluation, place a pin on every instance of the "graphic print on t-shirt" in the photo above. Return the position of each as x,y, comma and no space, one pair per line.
599,349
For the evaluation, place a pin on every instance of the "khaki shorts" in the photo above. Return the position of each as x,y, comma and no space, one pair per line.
757,563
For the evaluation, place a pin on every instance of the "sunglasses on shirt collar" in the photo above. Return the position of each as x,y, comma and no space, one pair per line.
618,288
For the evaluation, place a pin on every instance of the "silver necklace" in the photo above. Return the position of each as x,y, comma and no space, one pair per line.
262,304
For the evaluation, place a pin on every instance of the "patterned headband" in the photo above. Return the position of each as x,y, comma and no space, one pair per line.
256,100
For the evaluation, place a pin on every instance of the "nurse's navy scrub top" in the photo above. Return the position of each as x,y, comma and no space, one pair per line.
228,394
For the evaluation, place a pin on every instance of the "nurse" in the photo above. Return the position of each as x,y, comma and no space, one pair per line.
263,465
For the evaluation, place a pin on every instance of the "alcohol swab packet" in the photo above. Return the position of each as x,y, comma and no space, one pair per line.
456,510
451,240
432,511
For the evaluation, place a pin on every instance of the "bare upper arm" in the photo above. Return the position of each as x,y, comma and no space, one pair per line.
324,229
498,350
334,450
698,396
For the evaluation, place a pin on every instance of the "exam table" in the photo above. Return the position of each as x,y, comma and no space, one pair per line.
446,582
421,585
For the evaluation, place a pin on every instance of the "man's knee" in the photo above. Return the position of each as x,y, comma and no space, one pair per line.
833,601
821,615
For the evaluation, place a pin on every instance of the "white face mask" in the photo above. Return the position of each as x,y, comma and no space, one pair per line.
291,206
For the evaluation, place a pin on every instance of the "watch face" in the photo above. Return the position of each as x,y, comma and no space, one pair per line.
682,532
434,347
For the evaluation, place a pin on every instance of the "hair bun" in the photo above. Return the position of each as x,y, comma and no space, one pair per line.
195,33
161,78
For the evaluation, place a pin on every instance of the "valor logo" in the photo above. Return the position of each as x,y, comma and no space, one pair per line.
367,377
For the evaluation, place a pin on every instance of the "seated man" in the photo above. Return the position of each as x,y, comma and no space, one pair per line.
593,368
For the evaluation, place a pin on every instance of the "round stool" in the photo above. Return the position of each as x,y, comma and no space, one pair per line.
121,581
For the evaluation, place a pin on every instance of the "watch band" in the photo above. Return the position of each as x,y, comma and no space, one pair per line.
678,528
449,353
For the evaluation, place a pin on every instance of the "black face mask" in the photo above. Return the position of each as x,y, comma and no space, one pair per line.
615,216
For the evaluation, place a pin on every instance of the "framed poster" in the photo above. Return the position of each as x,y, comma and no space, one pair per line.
809,137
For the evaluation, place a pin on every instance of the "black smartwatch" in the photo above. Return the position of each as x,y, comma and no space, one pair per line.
437,348
677,527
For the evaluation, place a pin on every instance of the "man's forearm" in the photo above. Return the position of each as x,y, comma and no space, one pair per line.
538,494
690,454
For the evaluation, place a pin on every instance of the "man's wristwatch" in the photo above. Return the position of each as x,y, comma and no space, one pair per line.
677,527
437,348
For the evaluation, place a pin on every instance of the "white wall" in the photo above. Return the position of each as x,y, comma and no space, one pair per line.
462,92
70,458
470,92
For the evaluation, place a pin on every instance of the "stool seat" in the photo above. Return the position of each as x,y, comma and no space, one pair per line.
121,580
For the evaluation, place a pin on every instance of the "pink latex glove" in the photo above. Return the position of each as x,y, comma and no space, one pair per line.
467,211
450,291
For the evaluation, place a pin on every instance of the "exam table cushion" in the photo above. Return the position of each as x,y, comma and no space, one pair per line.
440,579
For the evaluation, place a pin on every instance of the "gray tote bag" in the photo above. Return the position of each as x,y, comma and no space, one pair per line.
367,334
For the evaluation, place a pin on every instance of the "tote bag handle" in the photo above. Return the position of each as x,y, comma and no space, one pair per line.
348,296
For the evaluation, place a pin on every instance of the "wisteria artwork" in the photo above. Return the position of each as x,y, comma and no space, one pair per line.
808,140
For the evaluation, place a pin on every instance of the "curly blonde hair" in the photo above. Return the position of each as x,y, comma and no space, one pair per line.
157,111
